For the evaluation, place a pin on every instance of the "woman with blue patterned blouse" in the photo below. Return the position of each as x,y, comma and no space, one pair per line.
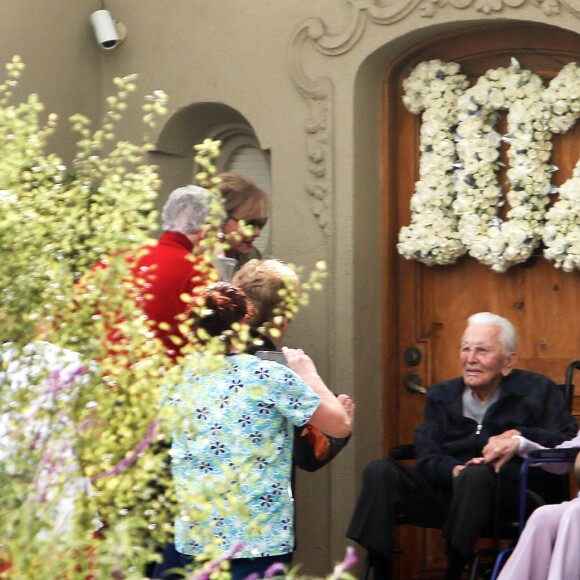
233,427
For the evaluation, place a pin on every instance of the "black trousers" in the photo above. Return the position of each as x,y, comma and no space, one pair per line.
464,508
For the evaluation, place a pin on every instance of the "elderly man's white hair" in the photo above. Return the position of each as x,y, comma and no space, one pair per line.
187,209
507,335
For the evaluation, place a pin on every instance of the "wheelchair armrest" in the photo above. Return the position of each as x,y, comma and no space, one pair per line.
538,456
560,453
402,452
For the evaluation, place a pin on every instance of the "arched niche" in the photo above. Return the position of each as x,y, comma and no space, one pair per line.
241,151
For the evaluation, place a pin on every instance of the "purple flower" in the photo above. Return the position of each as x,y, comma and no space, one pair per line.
56,383
276,569
205,572
349,560
130,459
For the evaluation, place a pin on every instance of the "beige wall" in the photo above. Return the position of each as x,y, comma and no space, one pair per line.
62,65
246,55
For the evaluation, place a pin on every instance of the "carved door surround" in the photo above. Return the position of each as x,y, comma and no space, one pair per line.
432,303
423,553
314,34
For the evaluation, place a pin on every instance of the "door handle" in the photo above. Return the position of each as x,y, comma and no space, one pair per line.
413,384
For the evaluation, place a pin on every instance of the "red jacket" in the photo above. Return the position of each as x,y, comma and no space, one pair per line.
165,271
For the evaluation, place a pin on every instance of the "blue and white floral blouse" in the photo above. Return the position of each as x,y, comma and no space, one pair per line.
232,439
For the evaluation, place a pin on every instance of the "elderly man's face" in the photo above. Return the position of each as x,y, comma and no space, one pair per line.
483,358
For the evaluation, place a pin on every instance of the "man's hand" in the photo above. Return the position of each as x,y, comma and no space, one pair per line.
500,449
459,468
506,434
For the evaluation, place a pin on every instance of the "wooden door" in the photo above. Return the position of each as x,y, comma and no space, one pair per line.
425,307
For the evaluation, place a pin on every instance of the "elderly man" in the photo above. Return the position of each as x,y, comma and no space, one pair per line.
450,486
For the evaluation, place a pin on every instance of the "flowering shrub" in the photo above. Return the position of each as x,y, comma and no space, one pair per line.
85,491
56,224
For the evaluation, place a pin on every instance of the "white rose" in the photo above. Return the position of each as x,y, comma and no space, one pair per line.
559,245
430,128
470,165
469,128
550,232
516,233
568,265
560,107
536,109
512,254
496,99
480,92
489,155
445,147
496,244
517,174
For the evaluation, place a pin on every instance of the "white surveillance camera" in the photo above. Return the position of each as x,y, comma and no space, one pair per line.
106,29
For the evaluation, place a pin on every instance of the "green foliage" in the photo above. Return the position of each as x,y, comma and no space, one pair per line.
69,237
56,224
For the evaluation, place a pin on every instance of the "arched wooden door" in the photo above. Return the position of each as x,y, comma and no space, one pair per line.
425,307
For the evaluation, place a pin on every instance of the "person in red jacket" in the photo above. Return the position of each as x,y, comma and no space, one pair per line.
175,267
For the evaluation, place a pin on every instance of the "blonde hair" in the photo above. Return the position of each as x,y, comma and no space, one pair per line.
237,191
272,288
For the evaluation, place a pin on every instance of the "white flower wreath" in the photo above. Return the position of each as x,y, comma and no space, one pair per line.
456,200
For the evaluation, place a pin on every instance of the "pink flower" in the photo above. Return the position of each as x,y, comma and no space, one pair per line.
349,560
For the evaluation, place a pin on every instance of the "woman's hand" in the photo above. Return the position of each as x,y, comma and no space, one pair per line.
300,362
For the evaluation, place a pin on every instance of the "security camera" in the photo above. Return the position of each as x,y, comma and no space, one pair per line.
108,32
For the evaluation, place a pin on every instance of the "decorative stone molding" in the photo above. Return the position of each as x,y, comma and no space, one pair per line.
319,93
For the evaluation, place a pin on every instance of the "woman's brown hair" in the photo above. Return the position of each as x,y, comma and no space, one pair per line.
223,305
237,191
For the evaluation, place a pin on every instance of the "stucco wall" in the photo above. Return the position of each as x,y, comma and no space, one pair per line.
54,41
239,54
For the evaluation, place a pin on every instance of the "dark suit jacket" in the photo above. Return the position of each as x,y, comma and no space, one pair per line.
529,402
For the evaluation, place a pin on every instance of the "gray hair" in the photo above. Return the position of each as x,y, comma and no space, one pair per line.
507,336
187,209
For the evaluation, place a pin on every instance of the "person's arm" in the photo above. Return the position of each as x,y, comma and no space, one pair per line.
313,449
429,438
332,415
500,450
555,424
